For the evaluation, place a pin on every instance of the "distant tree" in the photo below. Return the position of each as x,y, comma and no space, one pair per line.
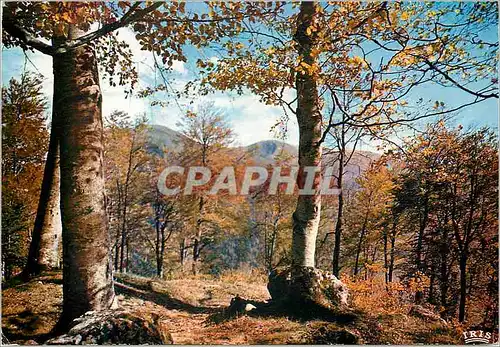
24,145
166,220
372,202
206,133
127,165
451,181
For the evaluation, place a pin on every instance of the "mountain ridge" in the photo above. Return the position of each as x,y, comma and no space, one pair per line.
265,152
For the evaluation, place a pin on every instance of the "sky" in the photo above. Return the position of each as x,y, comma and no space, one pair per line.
251,120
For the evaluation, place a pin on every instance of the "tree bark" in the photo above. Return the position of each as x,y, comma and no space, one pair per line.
47,231
117,249
87,263
307,212
463,287
197,239
122,249
423,225
444,273
338,225
393,248
432,284
421,230
360,244
127,260
392,256
182,251
386,257
160,248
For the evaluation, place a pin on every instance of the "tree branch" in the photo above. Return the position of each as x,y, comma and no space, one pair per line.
449,78
131,16
17,31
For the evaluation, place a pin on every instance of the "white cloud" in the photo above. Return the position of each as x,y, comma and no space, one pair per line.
114,99
251,119
178,66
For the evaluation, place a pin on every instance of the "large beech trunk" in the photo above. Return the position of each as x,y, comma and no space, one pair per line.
87,271
307,213
44,246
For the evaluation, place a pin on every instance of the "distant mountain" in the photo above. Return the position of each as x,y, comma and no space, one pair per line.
266,152
161,137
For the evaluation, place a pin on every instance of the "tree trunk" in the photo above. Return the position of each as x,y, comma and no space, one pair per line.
118,229
420,238
117,249
272,246
463,287
386,257
182,251
391,259
47,231
444,267
432,283
127,260
87,263
338,225
393,249
307,212
197,239
159,249
360,244
122,249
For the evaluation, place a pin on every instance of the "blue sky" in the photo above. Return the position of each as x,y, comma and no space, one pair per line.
250,119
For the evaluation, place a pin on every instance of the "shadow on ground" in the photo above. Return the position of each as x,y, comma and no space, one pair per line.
147,292
302,313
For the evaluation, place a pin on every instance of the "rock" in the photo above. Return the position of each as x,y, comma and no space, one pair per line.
249,307
426,314
237,306
309,285
120,326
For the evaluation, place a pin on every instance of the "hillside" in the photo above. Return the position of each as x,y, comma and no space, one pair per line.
192,310
263,152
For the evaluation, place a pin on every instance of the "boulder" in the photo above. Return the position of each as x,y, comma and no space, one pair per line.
120,326
308,285
249,307
239,306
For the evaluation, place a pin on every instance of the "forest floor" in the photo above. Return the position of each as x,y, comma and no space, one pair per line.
190,308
